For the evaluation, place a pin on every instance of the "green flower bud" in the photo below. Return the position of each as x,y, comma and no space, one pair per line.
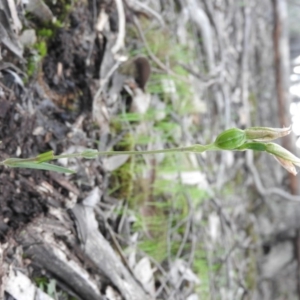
279,151
284,157
89,153
266,134
230,139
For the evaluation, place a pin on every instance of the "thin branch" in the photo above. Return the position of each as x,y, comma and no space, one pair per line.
121,32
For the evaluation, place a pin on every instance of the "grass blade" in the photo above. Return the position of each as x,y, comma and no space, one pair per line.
42,166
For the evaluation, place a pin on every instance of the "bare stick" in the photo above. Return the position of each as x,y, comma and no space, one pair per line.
121,32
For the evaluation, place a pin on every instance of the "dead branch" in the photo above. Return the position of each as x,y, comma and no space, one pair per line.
121,30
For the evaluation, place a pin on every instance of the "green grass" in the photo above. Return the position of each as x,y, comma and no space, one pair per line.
170,195
49,287
202,270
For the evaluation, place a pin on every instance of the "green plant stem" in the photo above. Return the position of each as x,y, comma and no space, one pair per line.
73,155
195,148
92,153
233,139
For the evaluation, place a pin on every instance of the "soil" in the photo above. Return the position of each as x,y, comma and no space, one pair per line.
33,119
19,200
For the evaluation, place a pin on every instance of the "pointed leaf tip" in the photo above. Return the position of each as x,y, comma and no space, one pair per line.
42,166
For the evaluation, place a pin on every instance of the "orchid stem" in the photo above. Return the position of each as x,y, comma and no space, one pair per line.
195,148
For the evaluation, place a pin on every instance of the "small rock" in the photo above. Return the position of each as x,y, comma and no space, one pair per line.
28,37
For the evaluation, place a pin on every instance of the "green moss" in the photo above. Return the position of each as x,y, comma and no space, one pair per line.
121,181
58,24
201,268
60,9
45,32
50,287
41,47
251,273
155,248
122,178
34,59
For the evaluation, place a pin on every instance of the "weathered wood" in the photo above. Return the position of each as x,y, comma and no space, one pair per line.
46,252
282,73
98,250
51,245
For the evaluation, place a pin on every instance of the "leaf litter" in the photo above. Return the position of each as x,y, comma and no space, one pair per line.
84,81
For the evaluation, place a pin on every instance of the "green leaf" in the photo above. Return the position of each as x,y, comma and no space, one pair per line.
10,162
45,156
41,166
51,288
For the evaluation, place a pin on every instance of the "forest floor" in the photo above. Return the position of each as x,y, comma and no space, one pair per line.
122,75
